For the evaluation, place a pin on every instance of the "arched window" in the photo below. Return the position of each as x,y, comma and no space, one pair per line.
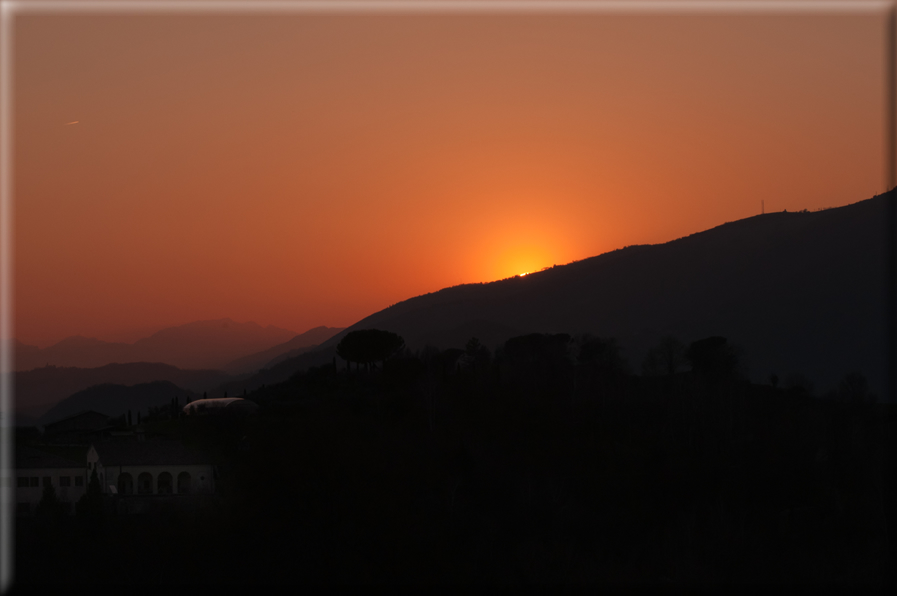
163,483
125,484
145,484
184,483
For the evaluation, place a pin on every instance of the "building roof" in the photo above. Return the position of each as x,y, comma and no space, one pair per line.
28,458
218,404
153,452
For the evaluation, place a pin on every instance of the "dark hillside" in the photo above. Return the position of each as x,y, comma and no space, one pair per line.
38,390
528,467
115,400
801,293
278,373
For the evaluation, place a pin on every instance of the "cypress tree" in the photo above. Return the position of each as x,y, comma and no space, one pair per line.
90,506
49,505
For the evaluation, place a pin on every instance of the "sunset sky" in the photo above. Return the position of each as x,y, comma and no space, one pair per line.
304,170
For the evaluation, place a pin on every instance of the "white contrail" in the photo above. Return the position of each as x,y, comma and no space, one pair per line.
68,123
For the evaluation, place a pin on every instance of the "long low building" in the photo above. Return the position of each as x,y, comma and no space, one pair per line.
36,469
152,467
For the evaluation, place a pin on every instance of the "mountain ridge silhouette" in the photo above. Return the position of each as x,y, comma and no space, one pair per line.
209,344
801,292
272,356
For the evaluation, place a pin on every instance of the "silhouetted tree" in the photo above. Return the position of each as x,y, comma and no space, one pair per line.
90,505
712,358
430,359
798,383
450,360
603,355
476,355
854,388
666,358
540,362
367,346
49,506
536,347
599,365
429,355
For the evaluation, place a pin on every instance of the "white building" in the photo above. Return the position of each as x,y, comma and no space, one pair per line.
36,468
220,405
151,467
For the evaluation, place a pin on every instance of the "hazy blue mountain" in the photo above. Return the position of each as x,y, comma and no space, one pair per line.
40,389
79,351
268,358
209,344
799,292
25,355
114,400
199,345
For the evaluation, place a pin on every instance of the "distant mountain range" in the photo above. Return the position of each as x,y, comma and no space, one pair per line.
199,345
800,293
39,389
115,400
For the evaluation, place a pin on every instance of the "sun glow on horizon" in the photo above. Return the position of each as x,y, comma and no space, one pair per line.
381,158
521,252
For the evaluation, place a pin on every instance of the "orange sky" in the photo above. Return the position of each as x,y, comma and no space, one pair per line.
310,170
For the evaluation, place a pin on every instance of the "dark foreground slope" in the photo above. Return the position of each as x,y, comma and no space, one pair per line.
419,474
801,293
